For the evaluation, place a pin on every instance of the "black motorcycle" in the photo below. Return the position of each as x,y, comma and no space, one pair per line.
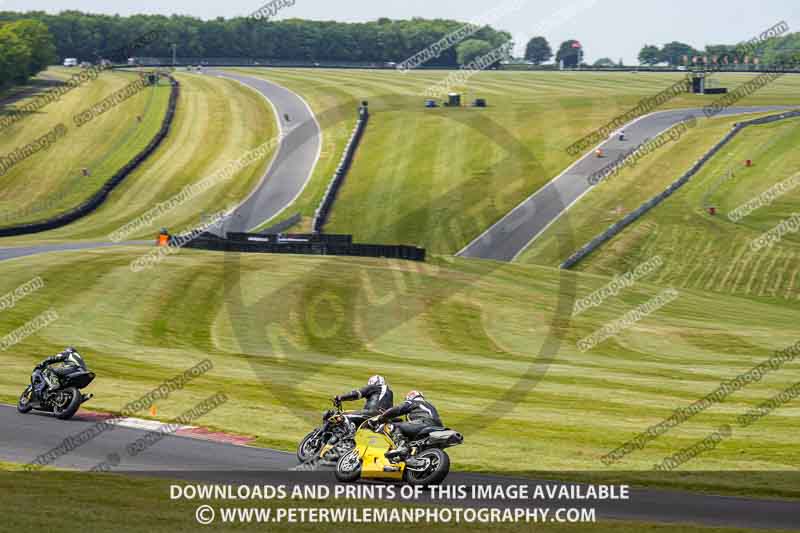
333,437
61,395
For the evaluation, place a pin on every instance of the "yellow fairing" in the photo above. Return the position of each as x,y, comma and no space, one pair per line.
371,447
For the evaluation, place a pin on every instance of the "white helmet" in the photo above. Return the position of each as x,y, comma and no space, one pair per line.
376,380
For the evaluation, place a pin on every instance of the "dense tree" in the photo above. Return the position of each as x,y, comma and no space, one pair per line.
26,48
673,53
570,53
471,49
538,51
605,62
650,55
90,37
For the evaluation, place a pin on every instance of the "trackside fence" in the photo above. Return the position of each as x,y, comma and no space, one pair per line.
326,205
305,244
97,199
633,216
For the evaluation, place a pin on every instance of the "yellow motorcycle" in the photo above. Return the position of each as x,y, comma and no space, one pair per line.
425,464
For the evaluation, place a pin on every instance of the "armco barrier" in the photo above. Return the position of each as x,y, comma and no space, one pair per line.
633,216
97,199
302,244
325,206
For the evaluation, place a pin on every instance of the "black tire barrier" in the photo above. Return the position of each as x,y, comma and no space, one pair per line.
326,205
99,197
315,244
634,215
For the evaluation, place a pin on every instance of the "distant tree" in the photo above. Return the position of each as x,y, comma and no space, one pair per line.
604,62
650,55
538,51
570,52
471,49
673,52
40,42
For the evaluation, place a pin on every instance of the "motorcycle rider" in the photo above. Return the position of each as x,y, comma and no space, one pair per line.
420,413
70,357
378,395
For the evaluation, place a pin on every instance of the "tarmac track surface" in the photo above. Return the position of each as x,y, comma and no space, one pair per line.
24,437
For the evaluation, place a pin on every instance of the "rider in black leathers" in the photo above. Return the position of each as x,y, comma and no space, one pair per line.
378,395
420,413
68,357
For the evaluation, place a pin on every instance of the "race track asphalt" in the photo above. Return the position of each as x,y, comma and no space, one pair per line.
513,233
24,437
293,163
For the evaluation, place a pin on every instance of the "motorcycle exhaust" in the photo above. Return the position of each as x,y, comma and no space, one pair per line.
86,397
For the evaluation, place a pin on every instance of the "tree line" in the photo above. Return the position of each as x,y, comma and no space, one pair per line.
90,37
26,48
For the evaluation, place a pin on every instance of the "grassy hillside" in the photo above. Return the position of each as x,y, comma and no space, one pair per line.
467,167
51,181
217,121
492,345
714,253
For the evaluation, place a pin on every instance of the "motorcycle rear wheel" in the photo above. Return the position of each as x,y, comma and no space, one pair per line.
24,403
69,407
435,473
348,468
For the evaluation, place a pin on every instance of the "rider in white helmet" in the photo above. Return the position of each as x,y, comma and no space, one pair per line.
378,395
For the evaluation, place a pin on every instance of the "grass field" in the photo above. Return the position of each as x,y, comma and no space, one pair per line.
460,170
216,122
101,499
492,345
51,181
713,253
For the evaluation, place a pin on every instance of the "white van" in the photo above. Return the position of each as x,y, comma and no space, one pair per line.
70,62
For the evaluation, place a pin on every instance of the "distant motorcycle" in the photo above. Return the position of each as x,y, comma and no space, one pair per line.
61,395
333,437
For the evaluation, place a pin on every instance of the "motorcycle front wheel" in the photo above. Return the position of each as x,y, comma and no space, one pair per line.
348,468
309,447
24,403
438,466
66,403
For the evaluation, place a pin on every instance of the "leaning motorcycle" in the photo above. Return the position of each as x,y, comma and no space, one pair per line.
333,437
426,464
61,395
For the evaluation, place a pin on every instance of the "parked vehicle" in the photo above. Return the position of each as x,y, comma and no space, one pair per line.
71,62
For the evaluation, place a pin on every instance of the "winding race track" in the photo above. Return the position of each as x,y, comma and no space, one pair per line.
293,163
513,233
24,437
185,458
